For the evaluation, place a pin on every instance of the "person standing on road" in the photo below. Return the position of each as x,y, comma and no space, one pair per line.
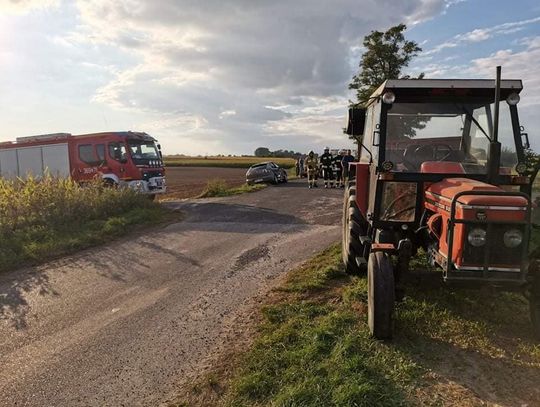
326,165
338,169
347,158
311,163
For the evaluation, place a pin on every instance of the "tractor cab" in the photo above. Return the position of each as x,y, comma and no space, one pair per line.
442,168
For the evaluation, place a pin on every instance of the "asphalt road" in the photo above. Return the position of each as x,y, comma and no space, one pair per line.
129,323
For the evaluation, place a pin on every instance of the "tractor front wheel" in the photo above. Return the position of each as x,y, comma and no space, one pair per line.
381,295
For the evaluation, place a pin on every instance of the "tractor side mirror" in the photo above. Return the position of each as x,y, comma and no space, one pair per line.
525,141
376,138
356,121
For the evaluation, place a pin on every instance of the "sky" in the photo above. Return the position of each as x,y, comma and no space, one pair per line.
226,77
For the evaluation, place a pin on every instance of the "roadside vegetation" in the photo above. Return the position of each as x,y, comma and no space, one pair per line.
224,162
219,188
452,347
52,217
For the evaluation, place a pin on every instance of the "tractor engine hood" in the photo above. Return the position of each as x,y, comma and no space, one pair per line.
443,192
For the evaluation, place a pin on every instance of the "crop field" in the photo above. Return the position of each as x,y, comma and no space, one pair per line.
224,162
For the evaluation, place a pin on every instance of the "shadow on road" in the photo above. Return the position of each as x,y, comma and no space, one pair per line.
13,306
220,212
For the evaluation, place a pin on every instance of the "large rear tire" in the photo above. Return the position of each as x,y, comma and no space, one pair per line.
381,295
353,226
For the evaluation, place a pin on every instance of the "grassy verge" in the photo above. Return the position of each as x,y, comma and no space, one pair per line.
462,347
219,188
50,218
224,162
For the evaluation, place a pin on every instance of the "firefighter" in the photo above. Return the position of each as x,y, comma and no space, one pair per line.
311,163
298,167
326,166
338,169
347,158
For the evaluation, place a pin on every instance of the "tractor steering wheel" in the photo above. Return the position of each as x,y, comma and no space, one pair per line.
434,148
387,215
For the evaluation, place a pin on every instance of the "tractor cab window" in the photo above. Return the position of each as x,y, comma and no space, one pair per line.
371,137
479,143
421,137
143,151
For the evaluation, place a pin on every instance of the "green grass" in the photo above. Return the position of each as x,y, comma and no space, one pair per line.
314,347
53,217
219,188
224,162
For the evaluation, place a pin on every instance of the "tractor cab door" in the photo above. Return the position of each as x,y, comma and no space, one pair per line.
372,140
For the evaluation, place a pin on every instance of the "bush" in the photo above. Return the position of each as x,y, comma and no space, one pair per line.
45,218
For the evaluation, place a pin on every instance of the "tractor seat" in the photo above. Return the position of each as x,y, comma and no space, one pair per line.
442,167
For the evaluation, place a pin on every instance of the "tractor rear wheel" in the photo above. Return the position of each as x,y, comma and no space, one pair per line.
381,295
353,226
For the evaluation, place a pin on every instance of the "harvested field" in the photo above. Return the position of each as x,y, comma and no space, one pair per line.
187,182
224,162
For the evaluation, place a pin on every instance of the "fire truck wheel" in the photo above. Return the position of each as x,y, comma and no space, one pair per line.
109,183
353,227
381,292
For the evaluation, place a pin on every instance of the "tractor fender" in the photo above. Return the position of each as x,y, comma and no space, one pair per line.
362,187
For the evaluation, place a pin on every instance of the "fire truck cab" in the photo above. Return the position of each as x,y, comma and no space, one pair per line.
119,158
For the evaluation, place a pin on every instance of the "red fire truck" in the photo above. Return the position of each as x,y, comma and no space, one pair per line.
119,158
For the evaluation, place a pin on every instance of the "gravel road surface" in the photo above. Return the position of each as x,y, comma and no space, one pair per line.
129,323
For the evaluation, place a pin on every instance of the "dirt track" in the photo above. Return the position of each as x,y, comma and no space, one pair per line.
187,182
132,322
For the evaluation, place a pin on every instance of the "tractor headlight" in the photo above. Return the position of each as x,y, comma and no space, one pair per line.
512,99
521,168
512,238
387,166
388,98
477,237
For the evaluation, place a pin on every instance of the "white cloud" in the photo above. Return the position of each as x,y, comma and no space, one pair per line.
518,65
228,75
24,6
482,34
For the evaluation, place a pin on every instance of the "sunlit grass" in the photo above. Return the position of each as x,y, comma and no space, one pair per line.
314,347
50,217
220,188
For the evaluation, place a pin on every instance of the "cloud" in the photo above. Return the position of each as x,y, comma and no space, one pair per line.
24,6
482,34
515,64
248,71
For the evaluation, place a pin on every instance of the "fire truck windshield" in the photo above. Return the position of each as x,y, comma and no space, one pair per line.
142,152
459,133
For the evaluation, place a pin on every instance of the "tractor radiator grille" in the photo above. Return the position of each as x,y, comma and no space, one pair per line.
498,253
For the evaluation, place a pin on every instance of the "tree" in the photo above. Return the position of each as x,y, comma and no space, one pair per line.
387,53
262,152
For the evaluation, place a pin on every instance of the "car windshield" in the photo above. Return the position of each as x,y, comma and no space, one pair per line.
143,151
453,136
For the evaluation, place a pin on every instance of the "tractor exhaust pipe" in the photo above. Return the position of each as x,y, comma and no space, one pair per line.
494,156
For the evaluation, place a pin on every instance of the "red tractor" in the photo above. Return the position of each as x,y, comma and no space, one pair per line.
443,168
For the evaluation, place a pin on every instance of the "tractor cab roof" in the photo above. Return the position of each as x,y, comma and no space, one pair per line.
413,90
